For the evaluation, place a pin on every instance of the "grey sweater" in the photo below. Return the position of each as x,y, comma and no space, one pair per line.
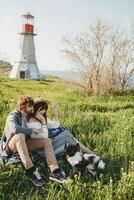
13,126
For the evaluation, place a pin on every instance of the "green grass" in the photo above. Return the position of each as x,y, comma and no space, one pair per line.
103,123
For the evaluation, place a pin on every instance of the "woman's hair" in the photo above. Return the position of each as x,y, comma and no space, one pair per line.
39,104
23,101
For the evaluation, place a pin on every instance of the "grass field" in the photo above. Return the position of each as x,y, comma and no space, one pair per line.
103,123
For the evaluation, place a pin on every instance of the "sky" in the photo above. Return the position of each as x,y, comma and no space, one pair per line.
53,20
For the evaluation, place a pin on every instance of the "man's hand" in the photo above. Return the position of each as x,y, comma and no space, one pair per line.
37,131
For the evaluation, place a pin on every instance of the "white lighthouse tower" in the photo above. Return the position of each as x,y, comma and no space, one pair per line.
27,67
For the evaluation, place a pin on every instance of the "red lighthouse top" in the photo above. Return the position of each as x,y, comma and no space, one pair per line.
27,24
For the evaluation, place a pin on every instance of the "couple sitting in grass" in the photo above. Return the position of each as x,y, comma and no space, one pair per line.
28,129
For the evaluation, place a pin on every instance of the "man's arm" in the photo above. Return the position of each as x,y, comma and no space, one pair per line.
15,127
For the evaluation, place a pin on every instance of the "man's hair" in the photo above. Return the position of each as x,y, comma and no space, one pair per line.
23,101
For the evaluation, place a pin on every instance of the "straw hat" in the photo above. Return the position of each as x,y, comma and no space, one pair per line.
40,100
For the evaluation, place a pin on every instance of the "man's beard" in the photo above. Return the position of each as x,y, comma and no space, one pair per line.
29,112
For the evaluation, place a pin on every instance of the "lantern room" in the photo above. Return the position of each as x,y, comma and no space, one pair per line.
27,24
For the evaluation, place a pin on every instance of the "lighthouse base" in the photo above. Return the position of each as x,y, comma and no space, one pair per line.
27,71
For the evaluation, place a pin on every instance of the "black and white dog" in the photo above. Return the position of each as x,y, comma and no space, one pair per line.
80,160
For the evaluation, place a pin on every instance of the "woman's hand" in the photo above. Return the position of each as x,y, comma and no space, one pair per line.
55,111
40,117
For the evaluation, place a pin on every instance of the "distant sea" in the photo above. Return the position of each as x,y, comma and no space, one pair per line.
61,74
74,76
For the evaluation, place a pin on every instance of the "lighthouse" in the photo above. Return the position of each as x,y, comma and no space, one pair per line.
26,67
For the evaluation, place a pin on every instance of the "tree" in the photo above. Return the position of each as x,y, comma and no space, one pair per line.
103,57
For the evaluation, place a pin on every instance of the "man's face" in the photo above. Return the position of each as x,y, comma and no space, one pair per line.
29,109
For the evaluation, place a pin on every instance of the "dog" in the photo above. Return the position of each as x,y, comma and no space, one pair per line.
79,160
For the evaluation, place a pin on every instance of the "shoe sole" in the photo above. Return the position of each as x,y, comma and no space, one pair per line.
37,184
53,179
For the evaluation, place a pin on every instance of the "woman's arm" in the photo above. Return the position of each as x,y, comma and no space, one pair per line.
55,111
52,123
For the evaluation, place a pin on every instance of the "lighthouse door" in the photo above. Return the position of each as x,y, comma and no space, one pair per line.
22,74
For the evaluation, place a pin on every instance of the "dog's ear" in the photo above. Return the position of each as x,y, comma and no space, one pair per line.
96,165
69,149
91,159
77,147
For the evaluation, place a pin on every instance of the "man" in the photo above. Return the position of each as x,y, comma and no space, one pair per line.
16,139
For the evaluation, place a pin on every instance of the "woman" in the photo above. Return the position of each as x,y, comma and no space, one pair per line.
60,136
